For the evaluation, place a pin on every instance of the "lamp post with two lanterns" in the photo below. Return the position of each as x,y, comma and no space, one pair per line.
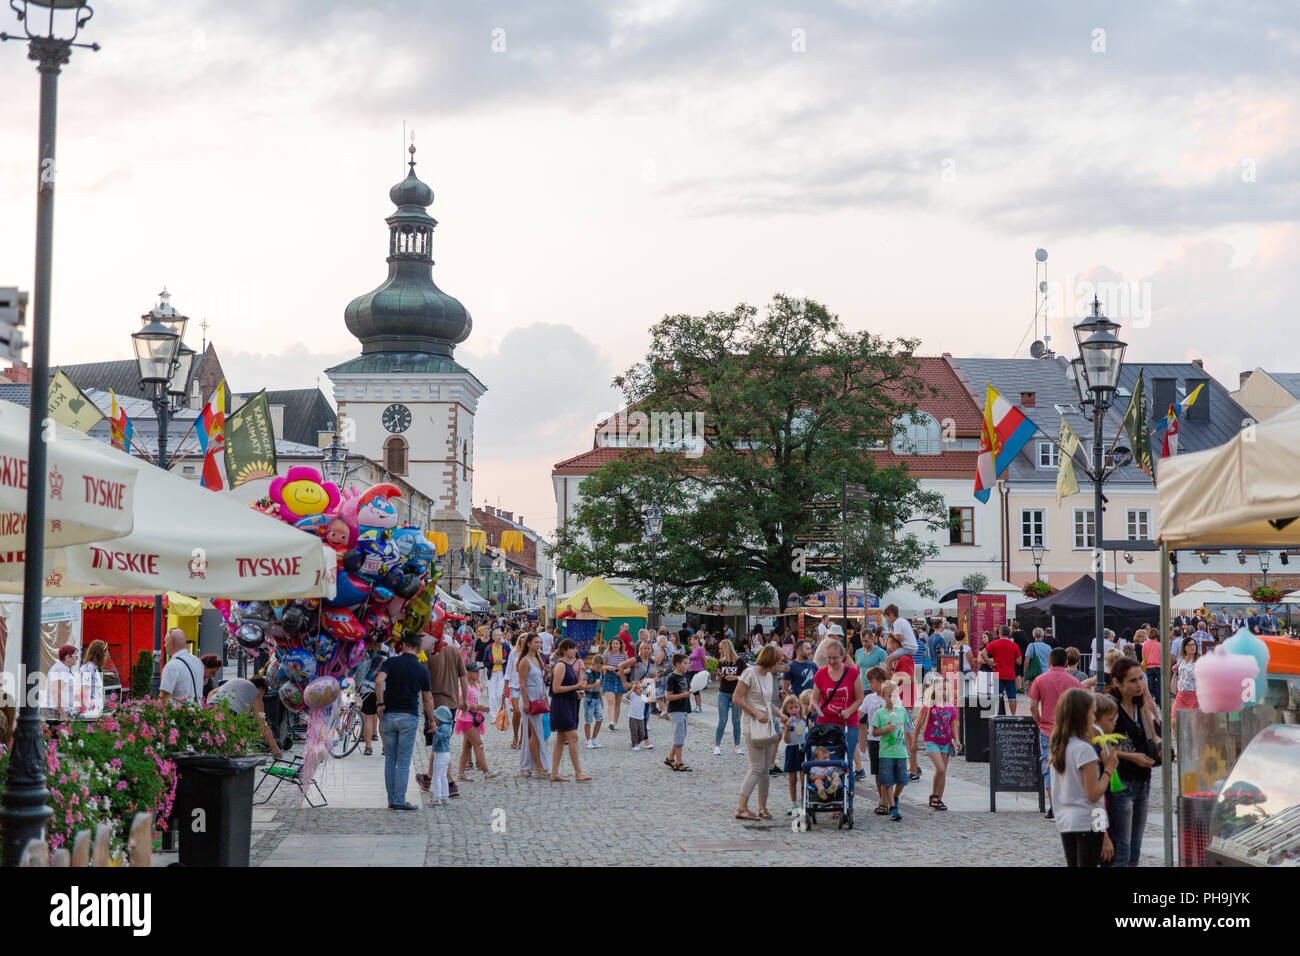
164,362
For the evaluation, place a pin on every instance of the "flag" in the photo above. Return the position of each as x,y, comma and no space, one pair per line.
211,429
1176,411
250,442
1006,431
1169,447
70,406
1135,425
1066,482
120,427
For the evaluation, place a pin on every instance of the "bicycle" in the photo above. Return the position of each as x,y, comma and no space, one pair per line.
345,728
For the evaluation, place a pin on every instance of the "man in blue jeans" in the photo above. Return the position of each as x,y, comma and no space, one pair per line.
400,685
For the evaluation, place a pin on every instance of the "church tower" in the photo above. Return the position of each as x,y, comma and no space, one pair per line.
406,401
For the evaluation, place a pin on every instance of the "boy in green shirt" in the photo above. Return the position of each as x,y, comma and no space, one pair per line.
888,725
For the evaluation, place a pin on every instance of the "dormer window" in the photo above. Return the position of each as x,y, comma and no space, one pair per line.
1048,454
920,435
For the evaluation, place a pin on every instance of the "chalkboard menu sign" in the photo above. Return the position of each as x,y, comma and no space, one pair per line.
1014,759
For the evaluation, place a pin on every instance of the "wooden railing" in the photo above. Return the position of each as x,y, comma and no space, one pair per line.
88,852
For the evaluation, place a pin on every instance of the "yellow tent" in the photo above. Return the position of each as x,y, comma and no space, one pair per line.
183,612
604,600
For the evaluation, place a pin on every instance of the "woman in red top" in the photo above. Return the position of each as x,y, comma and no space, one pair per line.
837,694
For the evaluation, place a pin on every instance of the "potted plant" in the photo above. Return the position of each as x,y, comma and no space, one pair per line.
1266,595
212,748
1038,589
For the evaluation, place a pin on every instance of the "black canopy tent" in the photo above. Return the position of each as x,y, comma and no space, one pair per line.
1074,613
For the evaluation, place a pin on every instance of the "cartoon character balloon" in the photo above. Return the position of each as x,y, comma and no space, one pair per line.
301,493
299,665
321,692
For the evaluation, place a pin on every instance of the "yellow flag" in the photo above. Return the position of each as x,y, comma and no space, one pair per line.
70,406
1066,483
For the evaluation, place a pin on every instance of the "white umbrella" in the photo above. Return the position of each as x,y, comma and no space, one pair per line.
1291,597
1211,594
189,539
87,497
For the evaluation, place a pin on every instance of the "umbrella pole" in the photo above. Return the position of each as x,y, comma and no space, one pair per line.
1166,747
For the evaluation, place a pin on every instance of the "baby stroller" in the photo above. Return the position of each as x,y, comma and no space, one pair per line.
840,798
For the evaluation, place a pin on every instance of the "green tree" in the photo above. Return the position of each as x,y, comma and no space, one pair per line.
791,400
975,582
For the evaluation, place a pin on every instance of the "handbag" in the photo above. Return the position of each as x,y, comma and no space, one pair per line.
502,720
771,725
536,707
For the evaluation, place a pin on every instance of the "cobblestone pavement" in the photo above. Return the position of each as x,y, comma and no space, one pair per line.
668,818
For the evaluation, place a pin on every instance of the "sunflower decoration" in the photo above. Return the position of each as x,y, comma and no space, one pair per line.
1213,767
1106,741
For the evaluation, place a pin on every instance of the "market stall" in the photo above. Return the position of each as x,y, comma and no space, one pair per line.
125,623
1242,494
90,497
472,599
182,538
1072,612
606,601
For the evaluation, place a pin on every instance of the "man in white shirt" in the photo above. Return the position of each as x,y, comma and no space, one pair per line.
822,627
182,678
903,628
1107,643
548,641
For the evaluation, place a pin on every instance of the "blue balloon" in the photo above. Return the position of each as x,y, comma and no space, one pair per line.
299,665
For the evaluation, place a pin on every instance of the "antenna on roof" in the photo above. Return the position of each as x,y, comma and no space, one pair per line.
1040,347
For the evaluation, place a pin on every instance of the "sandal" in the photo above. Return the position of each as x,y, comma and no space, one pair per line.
367,752
491,774
668,762
764,815
939,805
882,810
682,768
934,799
464,776
746,815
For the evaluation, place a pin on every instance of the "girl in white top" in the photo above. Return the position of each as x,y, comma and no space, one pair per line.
512,679
1079,779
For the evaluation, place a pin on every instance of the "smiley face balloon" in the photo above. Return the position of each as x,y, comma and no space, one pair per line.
302,493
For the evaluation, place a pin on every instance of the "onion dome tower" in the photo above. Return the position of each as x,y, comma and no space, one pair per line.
409,313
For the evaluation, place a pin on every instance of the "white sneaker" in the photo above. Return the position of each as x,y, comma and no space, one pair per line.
717,751
595,742
740,750
591,744
649,745
637,747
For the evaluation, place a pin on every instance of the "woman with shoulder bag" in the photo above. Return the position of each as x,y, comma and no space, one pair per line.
762,729
533,704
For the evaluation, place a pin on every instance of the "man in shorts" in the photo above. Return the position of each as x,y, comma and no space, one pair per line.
679,709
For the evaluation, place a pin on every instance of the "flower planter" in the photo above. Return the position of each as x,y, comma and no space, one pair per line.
214,808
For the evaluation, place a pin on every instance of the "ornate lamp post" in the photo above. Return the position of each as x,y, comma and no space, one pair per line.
50,37
1037,551
654,531
1096,375
159,357
1265,558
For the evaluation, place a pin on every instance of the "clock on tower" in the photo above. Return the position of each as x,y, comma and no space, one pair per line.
397,418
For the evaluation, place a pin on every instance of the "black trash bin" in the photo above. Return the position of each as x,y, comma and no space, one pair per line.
214,808
974,734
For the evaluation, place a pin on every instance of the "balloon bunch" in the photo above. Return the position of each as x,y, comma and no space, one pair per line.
386,586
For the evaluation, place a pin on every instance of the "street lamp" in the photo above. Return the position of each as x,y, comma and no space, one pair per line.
158,355
1037,551
335,466
654,531
1265,558
1096,374
23,809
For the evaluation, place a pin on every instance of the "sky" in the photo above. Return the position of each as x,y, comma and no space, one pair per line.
598,165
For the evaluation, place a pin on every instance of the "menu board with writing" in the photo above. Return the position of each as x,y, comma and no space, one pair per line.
1014,765
977,613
